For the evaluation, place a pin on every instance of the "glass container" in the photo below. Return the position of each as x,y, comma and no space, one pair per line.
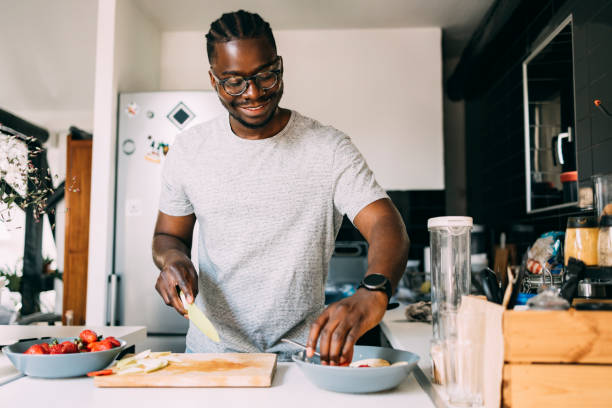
581,240
604,247
449,239
603,194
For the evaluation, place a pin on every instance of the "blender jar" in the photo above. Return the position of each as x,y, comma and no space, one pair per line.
603,194
449,239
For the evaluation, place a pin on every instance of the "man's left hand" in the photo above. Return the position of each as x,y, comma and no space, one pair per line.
343,323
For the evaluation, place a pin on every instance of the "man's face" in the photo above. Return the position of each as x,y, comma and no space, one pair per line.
245,57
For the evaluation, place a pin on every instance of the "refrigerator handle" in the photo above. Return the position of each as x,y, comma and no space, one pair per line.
112,298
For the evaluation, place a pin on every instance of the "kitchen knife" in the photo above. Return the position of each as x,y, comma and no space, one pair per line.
200,320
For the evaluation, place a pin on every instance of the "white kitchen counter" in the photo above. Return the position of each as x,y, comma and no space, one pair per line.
414,337
290,388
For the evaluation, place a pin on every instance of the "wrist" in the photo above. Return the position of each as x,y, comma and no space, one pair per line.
174,255
374,296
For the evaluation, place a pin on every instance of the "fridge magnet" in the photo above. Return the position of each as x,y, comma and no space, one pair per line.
180,115
164,148
132,109
153,157
128,146
150,114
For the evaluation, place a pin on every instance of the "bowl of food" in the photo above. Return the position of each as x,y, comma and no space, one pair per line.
372,369
64,357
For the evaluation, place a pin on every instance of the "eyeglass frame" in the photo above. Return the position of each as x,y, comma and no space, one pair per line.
251,78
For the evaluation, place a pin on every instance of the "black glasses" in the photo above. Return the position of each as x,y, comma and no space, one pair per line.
237,85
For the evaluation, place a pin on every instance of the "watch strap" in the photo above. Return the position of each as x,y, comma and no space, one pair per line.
386,288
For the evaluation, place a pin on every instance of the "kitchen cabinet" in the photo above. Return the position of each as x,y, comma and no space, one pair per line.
550,136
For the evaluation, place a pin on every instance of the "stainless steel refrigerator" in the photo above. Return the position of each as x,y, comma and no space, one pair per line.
147,125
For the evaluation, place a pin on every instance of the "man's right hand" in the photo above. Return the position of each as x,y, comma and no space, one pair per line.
178,271
171,249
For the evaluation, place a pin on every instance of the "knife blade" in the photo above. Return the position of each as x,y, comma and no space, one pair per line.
200,320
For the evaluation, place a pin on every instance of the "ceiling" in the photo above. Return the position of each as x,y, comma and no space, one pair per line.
48,47
458,18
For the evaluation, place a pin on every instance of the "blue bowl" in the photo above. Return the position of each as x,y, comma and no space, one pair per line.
59,365
358,379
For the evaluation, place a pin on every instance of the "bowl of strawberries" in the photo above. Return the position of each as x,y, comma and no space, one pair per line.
64,357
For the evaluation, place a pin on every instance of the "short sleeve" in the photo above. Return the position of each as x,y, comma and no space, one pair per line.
173,200
355,185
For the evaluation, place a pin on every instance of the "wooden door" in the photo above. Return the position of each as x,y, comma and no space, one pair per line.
78,190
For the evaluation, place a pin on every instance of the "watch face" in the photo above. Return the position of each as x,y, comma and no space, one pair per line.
374,280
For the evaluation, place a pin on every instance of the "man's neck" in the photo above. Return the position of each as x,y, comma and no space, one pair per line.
273,127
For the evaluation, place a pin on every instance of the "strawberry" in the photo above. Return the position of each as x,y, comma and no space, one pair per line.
35,349
45,347
113,341
100,346
69,347
56,349
88,336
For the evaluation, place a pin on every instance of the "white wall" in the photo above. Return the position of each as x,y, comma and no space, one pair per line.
127,59
336,77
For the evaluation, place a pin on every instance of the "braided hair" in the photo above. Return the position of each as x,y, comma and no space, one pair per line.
236,25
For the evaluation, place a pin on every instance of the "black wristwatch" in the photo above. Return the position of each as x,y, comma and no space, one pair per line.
378,282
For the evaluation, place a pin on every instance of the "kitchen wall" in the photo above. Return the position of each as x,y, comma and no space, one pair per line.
494,117
127,59
381,86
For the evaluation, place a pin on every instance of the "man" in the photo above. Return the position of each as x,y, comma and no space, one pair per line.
269,187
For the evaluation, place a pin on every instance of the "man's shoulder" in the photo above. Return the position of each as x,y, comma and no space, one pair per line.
315,131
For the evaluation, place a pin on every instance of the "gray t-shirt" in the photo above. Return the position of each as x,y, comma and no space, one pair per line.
268,212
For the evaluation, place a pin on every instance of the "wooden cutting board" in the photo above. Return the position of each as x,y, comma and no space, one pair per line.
202,370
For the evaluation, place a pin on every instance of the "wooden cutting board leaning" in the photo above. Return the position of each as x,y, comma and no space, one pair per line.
202,370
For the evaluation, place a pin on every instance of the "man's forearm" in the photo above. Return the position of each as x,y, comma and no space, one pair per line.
165,245
388,248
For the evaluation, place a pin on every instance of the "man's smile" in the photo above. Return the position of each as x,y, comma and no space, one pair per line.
255,108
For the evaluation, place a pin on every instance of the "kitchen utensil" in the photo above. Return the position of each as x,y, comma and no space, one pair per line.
462,372
200,320
202,370
491,286
450,265
295,343
58,365
500,259
514,286
602,184
581,239
604,241
359,379
574,273
594,289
